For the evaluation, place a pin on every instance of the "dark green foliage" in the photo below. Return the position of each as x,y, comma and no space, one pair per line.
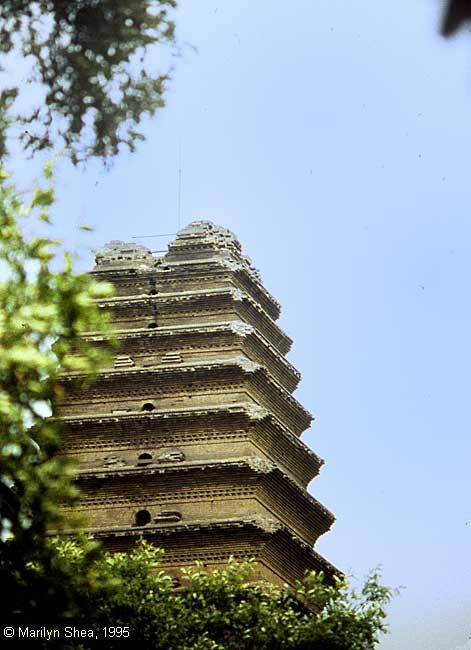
219,610
90,57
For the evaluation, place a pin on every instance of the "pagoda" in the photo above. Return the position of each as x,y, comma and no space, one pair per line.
192,438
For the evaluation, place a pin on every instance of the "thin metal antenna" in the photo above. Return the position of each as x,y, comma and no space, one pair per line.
179,184
179,208
167,234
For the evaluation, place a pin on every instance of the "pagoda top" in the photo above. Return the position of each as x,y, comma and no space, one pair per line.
195,241
206,232
117,255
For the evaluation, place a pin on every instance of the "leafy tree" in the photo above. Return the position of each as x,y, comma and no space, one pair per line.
91,59
37,307
218,610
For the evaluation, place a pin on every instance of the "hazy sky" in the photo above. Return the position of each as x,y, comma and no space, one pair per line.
333,138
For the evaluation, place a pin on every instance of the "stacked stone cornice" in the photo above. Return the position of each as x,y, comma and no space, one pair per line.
218,341
144,312
196,384
213,489
191,438
224,431
194,276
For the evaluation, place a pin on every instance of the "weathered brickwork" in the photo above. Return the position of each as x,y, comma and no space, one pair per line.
191,437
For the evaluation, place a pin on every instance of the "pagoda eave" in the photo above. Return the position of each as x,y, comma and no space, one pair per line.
239,424
249,478
224,338
254,377
178,274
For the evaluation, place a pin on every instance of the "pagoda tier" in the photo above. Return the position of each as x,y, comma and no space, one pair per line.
161,276
280,556
163,346
191,491
184,386
193,308
192,437
226,431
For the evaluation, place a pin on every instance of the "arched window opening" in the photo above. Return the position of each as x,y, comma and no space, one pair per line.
153,292
142,517
152,326
148,406
144,459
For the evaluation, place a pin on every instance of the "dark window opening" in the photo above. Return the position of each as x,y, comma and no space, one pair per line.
152,325
144,459
153,292
142,517
148,406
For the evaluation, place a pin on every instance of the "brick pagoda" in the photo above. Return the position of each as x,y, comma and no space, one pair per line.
192,437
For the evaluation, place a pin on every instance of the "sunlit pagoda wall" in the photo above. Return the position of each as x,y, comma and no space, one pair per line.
192,436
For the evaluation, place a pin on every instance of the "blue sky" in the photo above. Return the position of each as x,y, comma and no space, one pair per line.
334,139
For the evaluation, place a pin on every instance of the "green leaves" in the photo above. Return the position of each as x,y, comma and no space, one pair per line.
42,314
90,58
221,609
43,198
